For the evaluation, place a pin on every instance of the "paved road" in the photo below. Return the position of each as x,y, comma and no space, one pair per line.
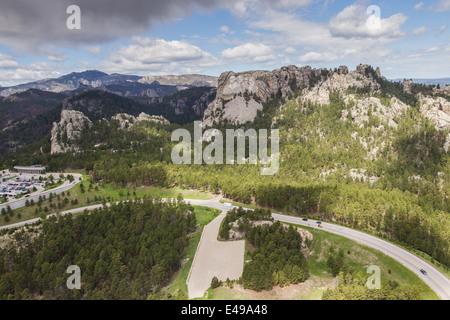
435,279
31,221
197,280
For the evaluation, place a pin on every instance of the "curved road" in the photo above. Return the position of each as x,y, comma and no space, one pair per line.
435,279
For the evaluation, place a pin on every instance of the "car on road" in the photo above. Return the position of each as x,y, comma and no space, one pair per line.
319,222
320,226
305,219
27,196
423,271
227,204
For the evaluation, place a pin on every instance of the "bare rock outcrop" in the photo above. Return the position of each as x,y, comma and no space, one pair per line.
408,86
447,143
443,90
65,133
145,117
436,109
126,121
363,108
341,82
241,95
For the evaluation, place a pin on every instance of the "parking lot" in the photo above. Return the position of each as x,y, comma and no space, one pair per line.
14,185
34,182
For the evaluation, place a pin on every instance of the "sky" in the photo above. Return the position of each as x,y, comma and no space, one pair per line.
47,38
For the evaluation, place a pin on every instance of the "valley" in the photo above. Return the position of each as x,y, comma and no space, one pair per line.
321,244
365,156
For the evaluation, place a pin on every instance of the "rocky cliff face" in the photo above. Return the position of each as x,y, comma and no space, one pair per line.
444,90
181,106
437,109
67,131
126,121
341,81
241,95
362,108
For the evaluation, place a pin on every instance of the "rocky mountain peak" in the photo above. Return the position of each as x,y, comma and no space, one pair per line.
67,131
241,95
126,121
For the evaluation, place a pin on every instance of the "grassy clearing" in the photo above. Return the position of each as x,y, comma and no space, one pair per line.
360,257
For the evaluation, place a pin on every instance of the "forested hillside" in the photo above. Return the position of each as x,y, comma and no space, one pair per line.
370,158
28,103
32,113
126,251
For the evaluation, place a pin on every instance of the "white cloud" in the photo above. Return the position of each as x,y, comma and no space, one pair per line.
314,57
244,8
250,53
356,22
57,57
419,31
226,29
22,74
442,28
311,37
93,49
419,6
6,62
290,50
158,56
442,6
433,49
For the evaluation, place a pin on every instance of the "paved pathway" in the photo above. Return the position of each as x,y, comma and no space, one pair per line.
221,259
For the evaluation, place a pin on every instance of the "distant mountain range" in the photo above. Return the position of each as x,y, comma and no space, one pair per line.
123,85
38,97
441,82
